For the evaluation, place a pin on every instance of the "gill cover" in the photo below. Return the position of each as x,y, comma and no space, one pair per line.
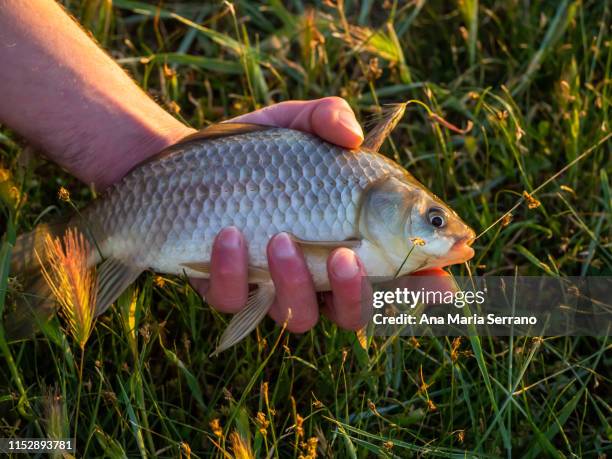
385,208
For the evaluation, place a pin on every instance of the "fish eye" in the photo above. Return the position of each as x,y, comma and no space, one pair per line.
436,217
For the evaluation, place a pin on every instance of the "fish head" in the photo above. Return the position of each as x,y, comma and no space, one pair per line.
437,233
414,228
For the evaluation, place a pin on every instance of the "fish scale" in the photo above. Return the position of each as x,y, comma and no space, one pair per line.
262,182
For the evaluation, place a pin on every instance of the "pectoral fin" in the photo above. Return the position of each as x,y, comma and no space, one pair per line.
349,243
200,267
245,321
114,276
256,275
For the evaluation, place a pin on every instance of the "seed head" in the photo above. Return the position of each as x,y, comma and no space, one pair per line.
418,241
215,426
507,219
532,202
4,175
71,281
431,406
159,281
63,194
185,449
242,450
299,425
263,423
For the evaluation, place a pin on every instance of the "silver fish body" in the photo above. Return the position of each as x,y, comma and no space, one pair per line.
166,214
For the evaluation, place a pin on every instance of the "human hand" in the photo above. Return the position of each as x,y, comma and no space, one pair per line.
332,119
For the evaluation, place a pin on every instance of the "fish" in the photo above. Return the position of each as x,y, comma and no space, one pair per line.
165,213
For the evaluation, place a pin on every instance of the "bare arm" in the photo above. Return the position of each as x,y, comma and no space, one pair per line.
63,93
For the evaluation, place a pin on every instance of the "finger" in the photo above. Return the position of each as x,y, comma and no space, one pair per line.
346,275
436,279
433,272
200,285
334,120
294,286
228,289
330,118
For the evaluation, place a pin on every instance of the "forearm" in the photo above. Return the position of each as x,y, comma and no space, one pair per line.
64,94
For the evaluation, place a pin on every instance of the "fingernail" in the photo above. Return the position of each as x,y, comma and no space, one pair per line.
344,264
229,238
347,119
283,247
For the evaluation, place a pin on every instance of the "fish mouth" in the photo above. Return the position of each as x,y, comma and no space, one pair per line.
461,251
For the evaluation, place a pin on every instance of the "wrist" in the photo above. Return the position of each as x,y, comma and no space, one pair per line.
125,146
143,143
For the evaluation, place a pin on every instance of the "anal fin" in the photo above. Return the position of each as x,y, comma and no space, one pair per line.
114,276
245,321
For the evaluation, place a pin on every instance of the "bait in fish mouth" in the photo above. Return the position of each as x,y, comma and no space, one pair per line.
165,213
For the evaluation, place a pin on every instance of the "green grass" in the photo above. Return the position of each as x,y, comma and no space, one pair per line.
535,80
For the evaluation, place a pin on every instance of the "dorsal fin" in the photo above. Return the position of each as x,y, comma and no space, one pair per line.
390,116
214,131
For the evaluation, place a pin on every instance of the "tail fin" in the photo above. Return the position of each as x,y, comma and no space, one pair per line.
23,257
32,302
